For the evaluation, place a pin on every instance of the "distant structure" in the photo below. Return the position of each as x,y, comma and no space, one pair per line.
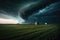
36,23
45,23
17,23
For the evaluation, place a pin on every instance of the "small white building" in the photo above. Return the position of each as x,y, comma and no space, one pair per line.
45,23
36,23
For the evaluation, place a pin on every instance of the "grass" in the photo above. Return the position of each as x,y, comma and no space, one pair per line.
28,32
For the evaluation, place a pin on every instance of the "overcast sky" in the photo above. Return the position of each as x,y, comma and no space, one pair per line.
28,10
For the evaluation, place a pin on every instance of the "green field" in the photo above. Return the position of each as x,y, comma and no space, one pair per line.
29,32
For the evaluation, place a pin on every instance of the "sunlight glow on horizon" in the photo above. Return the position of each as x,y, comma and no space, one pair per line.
8,21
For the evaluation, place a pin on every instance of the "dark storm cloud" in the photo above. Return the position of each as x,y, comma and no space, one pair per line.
50,14
38,6
12,7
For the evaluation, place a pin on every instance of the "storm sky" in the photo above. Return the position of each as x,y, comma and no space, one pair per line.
29,11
